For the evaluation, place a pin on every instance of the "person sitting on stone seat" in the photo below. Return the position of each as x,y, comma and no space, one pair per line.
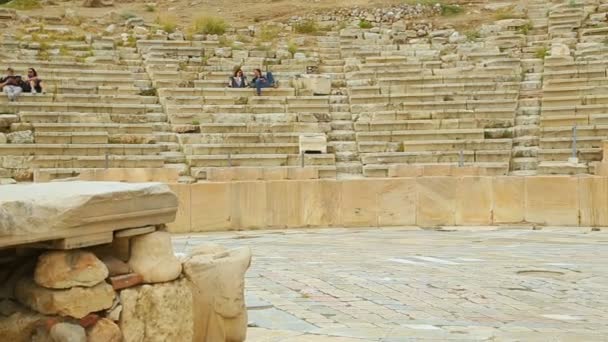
260,81
10,84
238,80
33,84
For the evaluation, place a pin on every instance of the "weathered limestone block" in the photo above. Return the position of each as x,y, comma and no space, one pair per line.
20,137
319,84
436,201
218,282
561,208
76,302
559,50
157,313
41,208
104,331
313,143
508,198
130,175
18,326
66,269
66,332
115,266
7,119
152,257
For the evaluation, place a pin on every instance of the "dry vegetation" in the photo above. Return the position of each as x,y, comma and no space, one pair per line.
214,16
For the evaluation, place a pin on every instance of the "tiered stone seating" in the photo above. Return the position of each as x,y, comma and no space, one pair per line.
219,127
573,95
91,116
501,102
421,113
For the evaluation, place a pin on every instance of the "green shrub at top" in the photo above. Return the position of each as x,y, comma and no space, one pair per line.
448,10
364,24
472,35
542,52
307,26
423,2
127,15
525,29
209,25
167,23
225,41
22,4
292,48
269,33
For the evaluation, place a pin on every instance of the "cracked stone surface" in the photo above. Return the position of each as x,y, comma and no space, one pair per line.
408,284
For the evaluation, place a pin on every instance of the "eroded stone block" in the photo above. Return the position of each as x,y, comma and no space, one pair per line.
436,201
218,285
474,201
157,313
152,257
66,269
552,200
508,197
76,302
41,208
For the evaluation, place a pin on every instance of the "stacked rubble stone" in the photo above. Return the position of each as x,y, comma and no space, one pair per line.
132,289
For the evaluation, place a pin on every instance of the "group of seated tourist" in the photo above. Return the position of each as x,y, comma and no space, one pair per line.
13,85
259,80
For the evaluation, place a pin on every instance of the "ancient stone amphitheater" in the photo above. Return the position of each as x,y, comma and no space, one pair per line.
522,96
505,101
395,124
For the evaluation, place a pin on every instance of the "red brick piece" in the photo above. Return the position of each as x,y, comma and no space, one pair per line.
126,280
49,322
89,320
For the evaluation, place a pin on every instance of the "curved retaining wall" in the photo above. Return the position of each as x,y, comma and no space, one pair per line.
420,201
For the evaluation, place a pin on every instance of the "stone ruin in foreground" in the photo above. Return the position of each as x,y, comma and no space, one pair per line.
83,261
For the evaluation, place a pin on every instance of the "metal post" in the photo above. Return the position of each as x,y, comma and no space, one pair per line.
302,159
107,161
461,158
574,152
574,158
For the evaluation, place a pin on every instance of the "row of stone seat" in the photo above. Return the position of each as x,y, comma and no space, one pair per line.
75,99
435,169
93,115
15,107
449,113
572,94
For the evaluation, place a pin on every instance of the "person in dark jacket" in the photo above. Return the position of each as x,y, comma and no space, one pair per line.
33,84
238,80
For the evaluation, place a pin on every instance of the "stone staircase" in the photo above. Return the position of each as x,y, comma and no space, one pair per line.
527,117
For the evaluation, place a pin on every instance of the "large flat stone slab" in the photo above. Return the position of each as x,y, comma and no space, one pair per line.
42,212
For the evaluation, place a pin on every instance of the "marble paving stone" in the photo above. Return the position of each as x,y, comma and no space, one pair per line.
401,284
